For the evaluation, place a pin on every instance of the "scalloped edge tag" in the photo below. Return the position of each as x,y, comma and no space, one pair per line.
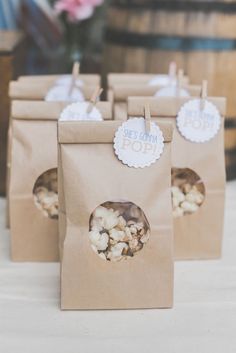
161,80
172,91
60,93
135,147
65,80
196,124
78,112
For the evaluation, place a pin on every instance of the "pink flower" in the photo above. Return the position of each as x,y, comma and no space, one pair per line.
77,10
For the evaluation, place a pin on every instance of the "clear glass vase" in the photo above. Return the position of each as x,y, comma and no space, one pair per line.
73,48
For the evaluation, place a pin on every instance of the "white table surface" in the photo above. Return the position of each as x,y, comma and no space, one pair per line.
203,319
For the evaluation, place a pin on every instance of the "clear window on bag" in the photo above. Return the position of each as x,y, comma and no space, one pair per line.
187,191
118,230
46,194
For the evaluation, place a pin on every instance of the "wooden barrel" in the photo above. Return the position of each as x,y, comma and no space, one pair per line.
200,36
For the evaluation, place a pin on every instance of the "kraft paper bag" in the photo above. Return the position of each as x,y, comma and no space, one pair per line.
38,90
33,89
84,79
114,79
119,94
9,138
97,184
33,190
198,168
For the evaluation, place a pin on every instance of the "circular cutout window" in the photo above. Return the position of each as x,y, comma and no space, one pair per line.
187,191
46,194
118,230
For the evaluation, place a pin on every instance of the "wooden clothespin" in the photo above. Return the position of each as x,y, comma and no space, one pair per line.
94,99
74,76
147,118
180,77
203,94
172,70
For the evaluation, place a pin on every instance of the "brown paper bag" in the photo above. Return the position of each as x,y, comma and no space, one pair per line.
199,167
8,167
94,180
38,90
119,94
33,179
33,89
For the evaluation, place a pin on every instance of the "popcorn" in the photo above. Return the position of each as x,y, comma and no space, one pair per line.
116,252
133,243
188,192
128,233
45,194
144,238
115,233
99,240
121,223
189,207
109,217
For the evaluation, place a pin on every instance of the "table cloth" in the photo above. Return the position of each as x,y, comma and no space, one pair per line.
203,319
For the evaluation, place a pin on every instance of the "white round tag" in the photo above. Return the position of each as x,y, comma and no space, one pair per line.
135,147
172,91
161,80
78,111
196,124
61,93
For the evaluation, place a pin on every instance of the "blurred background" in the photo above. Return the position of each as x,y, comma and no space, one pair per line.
46,36
53,39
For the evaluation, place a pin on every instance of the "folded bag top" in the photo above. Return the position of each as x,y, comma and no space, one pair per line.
37,110
87,79
121,92
38,90
133,79
81,132
168,106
